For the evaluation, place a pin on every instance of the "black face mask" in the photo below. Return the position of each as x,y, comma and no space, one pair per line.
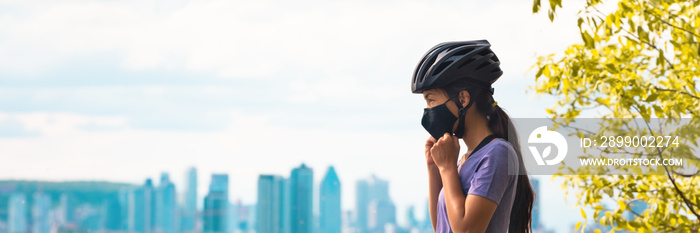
438,120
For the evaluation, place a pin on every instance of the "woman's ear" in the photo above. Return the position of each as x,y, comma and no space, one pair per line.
464,98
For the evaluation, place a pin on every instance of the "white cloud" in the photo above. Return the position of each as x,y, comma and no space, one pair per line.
266,38
57,124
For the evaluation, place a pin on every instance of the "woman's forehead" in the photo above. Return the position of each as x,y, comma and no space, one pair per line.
434,92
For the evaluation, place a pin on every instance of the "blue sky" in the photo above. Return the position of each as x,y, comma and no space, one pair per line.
123,90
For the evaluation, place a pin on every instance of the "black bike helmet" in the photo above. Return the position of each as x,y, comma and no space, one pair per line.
455,61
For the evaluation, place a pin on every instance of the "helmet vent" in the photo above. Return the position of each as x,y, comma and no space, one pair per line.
441,67
464,51
485,52
484,64
468,61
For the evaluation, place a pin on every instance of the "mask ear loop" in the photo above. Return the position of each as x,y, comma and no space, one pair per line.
448,100
462,112
460,125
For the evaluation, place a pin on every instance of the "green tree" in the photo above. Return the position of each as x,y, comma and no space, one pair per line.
636,59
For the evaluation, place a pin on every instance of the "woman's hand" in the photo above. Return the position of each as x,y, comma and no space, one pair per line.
429,145
445,151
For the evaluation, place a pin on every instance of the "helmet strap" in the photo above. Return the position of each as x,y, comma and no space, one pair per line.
460,125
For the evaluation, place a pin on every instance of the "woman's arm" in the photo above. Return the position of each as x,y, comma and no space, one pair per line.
469,213
466,214
435,183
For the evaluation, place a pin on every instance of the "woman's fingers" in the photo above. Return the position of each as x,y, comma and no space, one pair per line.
443,151
430,142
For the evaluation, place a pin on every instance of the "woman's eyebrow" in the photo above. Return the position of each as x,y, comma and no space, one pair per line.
426,95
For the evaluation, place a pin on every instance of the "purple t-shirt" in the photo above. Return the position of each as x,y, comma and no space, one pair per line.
486,173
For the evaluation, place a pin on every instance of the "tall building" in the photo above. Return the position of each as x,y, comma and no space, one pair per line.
17,213
110,214
219,183
381,213
140,208
152,202
270,207
165,206
216,205
411,217
363,198
68,206
536,224
427,222
301,185
348,224
329,203
189,213
41,222
287,206
374,207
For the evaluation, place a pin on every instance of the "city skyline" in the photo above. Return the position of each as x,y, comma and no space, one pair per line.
152,207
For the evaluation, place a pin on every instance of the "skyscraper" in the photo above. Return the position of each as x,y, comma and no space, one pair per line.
301,185
329,203
189,213
535,183
427,222
286,206
363,198
140,211
411,217
17,213
216,205
68,205
40,213
110,214
165,206
381,212
270,207
374,207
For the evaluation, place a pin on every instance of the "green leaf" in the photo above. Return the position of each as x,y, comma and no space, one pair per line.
651,97
612,68
621,204
536,6
587,40
658,111
634,224
580,21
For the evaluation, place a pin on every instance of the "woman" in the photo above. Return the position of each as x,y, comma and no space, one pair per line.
488,190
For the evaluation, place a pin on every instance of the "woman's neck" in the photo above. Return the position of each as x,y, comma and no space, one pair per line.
475,133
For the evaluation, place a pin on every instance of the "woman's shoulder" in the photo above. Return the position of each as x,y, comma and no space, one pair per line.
503,153
499,145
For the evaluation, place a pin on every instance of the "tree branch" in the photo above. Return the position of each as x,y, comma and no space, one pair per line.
677,91
672,25
678,191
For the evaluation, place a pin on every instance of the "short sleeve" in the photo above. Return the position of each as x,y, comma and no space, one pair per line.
491,178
